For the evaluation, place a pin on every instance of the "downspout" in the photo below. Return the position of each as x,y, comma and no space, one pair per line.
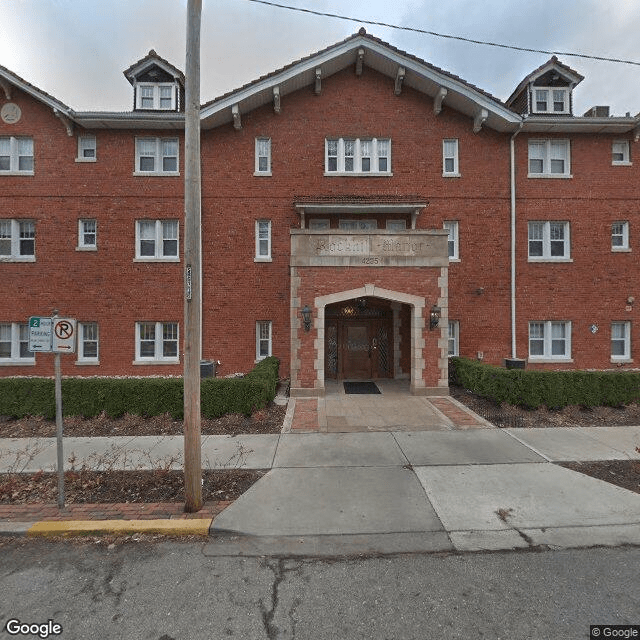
512,150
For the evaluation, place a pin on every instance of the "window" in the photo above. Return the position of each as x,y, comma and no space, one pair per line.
452,241
620,236
550,340
549,158
159,97
16,155
157,342
620,152
17,240
620,340
88,342
14,344
263,157
263,241
454,332
319,224
157,156
87,235
357,225
450,158
396,225
86,149
157,240
548,241
551,100
345,156
263,339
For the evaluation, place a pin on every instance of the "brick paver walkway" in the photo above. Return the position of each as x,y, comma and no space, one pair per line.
305,416
460,418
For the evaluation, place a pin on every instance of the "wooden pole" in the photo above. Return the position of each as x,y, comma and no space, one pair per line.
192,261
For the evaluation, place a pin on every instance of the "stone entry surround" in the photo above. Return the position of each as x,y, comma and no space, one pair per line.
405,268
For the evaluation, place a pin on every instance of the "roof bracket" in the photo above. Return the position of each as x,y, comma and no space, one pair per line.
438,100
318,87
479,120
6,87
237,121
359,62
65,121
399,80
276,99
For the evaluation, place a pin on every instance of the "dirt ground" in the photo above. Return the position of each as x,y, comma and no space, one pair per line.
167,486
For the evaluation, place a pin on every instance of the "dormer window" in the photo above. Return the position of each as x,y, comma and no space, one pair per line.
156,97
551,100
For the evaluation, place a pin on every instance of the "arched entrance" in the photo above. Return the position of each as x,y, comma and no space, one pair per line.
359,341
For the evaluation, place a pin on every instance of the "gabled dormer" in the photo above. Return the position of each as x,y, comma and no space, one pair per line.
547,91
157,85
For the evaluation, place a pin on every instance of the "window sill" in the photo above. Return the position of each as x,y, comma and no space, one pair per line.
157,174
86,248
452,175
260,359
621,360
622,164
620,249
553,176
156,259
455,260
83,160
87,363
151,362
17,173
17,259
543,360
262,174
262,259
354,174
550,259
18,363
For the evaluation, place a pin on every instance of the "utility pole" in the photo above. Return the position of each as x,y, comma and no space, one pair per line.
192,262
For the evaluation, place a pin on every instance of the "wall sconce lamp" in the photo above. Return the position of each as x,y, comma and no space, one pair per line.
434,317
306,318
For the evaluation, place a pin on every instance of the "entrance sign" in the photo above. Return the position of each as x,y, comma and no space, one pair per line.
40,334
64,335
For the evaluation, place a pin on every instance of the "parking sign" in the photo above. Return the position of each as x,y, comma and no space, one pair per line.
40,334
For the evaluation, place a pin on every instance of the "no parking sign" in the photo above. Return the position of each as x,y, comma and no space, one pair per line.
64,335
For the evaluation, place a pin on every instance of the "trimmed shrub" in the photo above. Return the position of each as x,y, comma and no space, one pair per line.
88,397
553,389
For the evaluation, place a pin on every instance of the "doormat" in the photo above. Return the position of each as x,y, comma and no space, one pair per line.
361,387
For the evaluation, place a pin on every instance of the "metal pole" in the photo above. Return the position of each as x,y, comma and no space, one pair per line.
58,393
192,261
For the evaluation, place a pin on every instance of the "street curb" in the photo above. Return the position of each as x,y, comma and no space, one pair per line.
175,527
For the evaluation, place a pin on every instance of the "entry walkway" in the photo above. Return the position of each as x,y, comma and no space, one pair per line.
394,409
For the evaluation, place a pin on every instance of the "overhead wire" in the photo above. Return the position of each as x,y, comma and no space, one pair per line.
447,36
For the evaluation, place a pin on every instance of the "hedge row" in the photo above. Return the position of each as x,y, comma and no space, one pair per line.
553,389
89,397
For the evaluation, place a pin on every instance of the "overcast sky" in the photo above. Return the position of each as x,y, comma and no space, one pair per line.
76,50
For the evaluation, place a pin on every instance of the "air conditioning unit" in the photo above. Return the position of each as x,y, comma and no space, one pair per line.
597,112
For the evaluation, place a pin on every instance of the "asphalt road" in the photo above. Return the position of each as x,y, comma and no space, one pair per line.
175,591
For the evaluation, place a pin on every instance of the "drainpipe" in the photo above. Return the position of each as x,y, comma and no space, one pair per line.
512,149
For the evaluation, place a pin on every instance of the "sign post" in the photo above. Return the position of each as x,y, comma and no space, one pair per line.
57,335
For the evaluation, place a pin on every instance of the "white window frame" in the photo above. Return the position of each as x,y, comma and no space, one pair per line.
551,100
87,149
452,227
14,157
371,148
347,224
547,241
260,339
158,240
623,234
158,341
620,148
16,228
156,97
263,252
450,152
547,157
396,225
262,153
14,358
625,340
548,339
319,224
83,245
453,338
157,156
84,329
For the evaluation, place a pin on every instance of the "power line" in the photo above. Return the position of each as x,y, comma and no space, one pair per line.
447,36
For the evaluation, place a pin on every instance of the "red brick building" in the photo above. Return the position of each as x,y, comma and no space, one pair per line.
364,215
